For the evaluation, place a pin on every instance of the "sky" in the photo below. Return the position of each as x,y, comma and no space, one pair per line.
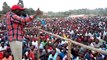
58,5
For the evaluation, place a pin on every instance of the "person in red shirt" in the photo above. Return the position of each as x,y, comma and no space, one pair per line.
1,55
31,53
7,56
15,29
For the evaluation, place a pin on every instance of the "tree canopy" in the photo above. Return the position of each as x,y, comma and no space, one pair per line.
29,11
5,8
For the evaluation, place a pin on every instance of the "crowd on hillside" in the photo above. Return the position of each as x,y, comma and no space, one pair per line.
91,31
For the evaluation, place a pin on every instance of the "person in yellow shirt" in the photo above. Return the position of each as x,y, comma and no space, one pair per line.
64,35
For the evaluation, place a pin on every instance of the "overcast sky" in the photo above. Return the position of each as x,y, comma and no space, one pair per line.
58,5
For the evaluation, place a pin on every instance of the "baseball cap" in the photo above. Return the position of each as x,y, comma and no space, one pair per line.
17,7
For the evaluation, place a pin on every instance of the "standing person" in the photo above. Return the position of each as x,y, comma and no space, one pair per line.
15,25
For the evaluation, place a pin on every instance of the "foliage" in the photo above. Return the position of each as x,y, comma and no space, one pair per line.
97,11
0,12
6,8
30,11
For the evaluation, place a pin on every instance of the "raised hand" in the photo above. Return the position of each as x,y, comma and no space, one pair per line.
38,13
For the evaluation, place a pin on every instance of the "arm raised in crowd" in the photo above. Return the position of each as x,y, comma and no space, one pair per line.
19,19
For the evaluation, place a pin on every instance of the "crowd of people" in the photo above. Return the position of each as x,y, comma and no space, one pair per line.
5,50
91,31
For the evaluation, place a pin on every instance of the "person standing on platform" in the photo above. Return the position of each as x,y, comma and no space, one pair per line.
15,29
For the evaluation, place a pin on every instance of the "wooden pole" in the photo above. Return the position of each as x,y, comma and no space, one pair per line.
77,43
69,50
38,46
74,42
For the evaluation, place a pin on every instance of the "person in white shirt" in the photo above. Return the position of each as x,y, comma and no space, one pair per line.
53,55
2,47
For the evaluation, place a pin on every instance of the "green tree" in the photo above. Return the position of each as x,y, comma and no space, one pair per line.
0,12
5,8
29,11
